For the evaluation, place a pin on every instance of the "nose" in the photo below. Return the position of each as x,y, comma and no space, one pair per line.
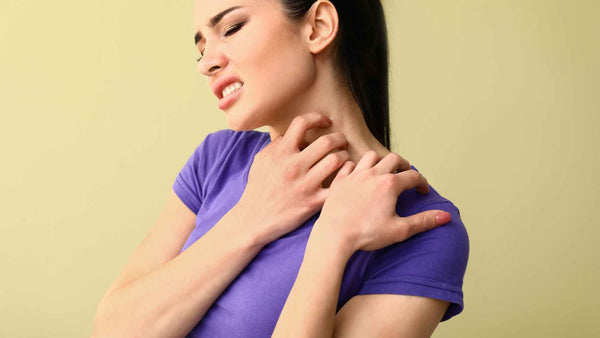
212,62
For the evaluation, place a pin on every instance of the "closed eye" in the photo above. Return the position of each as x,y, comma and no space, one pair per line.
234,28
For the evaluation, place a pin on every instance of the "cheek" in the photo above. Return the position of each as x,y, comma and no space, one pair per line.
276,69
280,71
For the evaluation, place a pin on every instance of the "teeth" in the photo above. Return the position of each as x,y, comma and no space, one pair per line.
231,88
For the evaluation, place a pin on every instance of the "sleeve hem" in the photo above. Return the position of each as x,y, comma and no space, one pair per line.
185,196
420,288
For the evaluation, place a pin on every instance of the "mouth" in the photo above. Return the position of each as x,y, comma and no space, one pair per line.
230,94
226,85
230,89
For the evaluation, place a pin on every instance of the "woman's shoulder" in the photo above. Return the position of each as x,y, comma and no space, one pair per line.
229,137
451,240
228,142
429,264
411,202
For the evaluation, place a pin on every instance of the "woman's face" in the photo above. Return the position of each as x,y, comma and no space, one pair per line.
257,46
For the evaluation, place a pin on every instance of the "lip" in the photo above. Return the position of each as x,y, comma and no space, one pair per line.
224,103
222,83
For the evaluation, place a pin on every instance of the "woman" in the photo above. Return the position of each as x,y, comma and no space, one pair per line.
295,232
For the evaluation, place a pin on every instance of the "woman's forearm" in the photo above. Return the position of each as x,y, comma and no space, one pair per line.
172,299
310,308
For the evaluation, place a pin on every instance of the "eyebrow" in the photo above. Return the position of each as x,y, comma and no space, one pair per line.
214,21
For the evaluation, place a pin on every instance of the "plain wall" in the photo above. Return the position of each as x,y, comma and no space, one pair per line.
496,102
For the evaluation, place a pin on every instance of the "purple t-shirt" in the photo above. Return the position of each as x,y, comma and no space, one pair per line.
430,264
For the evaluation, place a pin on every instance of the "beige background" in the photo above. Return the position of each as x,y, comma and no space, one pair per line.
496,102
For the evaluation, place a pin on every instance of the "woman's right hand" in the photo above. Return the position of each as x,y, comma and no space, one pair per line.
285,182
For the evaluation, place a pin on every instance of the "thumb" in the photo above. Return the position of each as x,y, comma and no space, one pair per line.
423,221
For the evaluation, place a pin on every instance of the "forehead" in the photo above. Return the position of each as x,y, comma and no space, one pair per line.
206,9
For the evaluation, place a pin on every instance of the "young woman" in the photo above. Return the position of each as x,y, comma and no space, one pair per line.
314,229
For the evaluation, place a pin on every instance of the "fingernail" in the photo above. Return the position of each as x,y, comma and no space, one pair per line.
442,218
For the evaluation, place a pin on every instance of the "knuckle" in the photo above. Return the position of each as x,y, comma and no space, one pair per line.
334,160
327,141
424,222
343,156
394,156
300,120
405,162
303,188
368,155
423,219
403,231
371,153
315,114
413,174
340,136
370,173
398,159
388,182
314,203
291,170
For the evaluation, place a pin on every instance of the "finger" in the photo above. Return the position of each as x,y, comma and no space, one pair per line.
391,163
411,179
294,135
423,221
345,170
326,166
367,161
321,147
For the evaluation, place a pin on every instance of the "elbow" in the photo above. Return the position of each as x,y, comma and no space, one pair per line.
105,329
103,325
100,330
109,323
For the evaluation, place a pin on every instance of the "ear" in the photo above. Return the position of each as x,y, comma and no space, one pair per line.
321,26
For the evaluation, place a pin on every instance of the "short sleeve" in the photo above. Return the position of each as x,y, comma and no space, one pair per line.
430,264
190,183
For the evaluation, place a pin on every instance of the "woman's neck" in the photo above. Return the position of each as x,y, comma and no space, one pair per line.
337,102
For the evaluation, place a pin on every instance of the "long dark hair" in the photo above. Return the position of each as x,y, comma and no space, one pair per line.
361,56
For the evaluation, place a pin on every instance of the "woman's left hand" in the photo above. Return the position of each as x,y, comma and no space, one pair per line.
361,204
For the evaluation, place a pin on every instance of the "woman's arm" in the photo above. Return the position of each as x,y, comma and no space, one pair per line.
172,299
359,214
310,308
283,191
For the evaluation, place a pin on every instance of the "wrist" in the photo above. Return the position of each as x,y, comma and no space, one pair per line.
331,239
245,226
260,230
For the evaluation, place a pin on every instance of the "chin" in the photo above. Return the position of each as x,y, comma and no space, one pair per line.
240,118
241,122
237,126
